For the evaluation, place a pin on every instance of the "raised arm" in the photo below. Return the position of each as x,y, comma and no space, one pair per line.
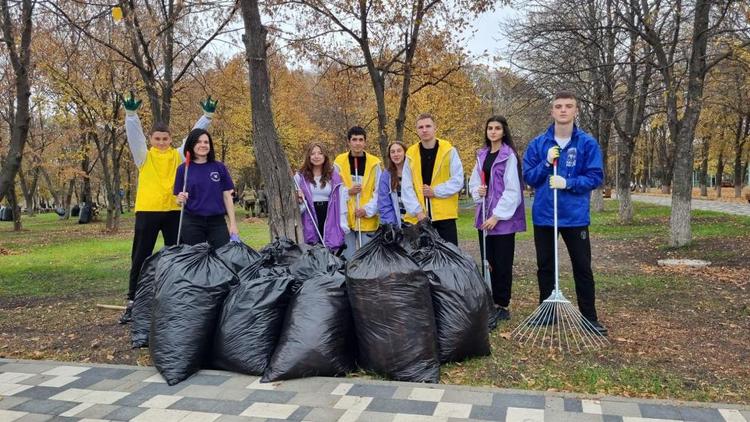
134,129
209,108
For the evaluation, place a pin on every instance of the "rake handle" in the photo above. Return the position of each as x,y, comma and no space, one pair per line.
554,221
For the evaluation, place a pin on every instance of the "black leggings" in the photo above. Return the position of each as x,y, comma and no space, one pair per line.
500,252
321,212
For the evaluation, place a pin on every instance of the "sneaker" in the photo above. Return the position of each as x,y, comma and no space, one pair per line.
502,313
595,327
543,320
127,315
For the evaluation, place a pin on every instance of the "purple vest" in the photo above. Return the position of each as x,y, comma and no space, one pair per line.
333,235
517,222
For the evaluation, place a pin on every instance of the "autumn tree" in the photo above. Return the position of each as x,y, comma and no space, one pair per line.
163,39
16,27
380,38
273,164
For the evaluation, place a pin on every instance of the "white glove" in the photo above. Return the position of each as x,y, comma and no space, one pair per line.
552,154
557,182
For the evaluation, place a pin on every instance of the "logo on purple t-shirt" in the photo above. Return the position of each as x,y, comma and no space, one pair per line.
214,176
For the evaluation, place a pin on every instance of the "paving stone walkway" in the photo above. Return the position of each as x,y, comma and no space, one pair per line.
698,204
56,391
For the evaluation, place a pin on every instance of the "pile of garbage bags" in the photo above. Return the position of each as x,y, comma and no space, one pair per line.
405,303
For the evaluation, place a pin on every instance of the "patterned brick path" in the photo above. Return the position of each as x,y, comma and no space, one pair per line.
56,391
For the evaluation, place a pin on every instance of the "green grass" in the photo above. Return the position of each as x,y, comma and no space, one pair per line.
52,257
56,257
653,221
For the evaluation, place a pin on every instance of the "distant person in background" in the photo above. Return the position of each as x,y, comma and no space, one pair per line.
156,209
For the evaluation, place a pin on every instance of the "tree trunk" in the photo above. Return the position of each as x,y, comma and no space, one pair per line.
282,202
719,173
19,57
703,177
69,198
55,195
13,203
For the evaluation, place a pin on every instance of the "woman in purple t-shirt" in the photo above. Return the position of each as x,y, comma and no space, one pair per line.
208,197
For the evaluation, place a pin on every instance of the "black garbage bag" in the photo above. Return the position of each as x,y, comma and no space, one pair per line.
60,211
460,297
318,334
237,255
190,290
144,295
315,261
6,214
75,211
282,251
251,321
278,254
86,214
392,311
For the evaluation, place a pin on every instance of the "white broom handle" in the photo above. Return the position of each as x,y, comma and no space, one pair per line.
312,216
554,219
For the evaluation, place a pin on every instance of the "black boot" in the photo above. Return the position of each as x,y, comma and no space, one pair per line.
127,315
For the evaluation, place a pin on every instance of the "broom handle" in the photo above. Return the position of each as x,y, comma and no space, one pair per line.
554,219
313,217
184,189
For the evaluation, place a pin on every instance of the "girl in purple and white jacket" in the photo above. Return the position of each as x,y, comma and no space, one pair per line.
322,200
502,190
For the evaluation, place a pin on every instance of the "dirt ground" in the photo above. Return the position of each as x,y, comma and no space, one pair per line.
690,322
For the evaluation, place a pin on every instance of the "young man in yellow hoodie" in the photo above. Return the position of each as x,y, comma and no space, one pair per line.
156,208
360,172
432,177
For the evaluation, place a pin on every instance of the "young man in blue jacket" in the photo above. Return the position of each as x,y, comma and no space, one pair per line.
579,171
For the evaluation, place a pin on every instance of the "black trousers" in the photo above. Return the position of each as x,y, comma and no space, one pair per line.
447,230
198,229
579,249
148,224
500,251
321,212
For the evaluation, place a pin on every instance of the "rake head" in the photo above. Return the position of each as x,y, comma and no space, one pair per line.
557,324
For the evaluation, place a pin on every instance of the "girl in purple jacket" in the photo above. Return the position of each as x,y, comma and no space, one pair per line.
390,206
322,200
498,161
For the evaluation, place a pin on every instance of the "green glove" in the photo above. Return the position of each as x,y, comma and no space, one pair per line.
209,106
131,104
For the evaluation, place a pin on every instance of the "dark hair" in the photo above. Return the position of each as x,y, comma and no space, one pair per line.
354,131
424,116
564,94
391,166
307,166
192,140
507,139
160,127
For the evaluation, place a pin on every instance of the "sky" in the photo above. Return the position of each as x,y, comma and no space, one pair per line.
488,36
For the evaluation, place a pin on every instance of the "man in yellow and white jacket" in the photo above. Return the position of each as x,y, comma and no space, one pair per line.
432,178
156,208
360,172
